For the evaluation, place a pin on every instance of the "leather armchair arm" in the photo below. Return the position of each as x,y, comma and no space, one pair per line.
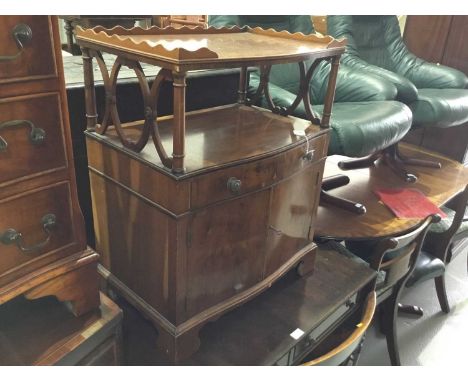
427,75
351,86
356,85
406,90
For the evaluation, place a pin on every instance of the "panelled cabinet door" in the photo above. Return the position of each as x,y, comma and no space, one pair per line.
226,247
293,203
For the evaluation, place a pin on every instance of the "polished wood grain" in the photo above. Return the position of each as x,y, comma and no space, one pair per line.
309,303
398,269
24,214
292,217
39,179
133,241
209,188
231,179
439,185
170,195
90,94
339,354
221,135
226,252
258,333
178,51
73,280
38,57
178,128
43,333
185,48
197,232
22,158
79,288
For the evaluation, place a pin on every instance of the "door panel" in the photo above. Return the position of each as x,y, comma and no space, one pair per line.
226,247
292,211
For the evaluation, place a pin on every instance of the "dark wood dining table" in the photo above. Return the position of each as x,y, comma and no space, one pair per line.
439,186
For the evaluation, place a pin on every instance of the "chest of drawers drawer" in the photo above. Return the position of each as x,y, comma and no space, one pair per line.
234,181
26,50
35,229
31,136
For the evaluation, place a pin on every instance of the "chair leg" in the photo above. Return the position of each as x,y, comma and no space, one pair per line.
326,198
449,256
410,309
391,309
382,323
353,164
417,162
442,293
335,181
388,155
392,160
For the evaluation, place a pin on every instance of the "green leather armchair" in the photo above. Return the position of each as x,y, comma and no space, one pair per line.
365,118
437,95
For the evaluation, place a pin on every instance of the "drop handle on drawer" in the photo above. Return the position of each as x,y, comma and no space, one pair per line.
234,185
22,34
12,236
36,135
309,155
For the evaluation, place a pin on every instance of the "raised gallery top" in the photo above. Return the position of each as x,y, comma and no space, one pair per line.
183,49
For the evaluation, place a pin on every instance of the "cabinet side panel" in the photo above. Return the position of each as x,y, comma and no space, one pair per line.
132,237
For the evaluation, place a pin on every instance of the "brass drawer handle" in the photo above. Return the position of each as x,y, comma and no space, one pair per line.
36,136
12,236
309,155
234,185
22,34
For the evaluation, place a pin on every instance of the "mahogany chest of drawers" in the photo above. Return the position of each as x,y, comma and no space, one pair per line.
42,242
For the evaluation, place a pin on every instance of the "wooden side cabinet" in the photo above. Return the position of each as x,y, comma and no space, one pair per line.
42,239
198,212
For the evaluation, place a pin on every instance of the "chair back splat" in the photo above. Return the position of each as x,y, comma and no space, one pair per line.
341,354
395,259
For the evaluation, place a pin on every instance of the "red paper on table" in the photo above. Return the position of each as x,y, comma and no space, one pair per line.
408,203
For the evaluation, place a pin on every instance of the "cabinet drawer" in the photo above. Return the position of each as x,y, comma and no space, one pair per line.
35,58
33,226
31,139
238,180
